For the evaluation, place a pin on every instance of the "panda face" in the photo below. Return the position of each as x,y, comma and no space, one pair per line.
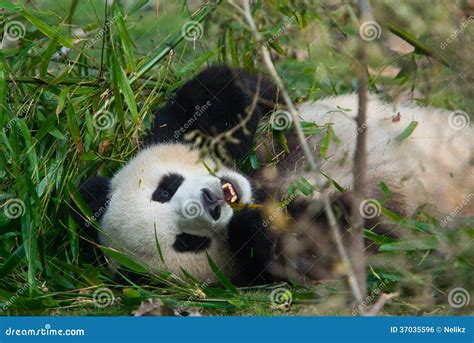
167,189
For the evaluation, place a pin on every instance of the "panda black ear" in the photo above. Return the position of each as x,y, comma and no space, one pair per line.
94,192
217,100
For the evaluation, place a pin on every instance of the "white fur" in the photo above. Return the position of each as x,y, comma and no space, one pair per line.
433,165
132,217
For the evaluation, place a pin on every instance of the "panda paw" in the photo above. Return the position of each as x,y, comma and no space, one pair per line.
253,246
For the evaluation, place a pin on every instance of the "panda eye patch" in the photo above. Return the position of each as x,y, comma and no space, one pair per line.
168,185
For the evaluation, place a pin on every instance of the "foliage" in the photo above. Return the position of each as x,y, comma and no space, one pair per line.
77,92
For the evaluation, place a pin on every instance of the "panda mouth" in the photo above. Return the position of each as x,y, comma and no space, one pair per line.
230,192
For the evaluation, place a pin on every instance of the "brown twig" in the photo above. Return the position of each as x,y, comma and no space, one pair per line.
356,245
307,153
377,307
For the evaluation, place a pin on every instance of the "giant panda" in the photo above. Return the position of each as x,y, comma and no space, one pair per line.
183,201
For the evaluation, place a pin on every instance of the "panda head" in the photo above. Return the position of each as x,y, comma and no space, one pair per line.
168,187
169,193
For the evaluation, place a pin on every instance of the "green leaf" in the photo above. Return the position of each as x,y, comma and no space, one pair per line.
388,194
392,215
12,261
408,131
124,37
128,93
282,140
323,149
124,260
47,30
254,161
379,239
10,6
222,278
3,93
428,243
158,247
233,48
333,182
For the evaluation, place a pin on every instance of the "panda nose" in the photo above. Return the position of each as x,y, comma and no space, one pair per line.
212,203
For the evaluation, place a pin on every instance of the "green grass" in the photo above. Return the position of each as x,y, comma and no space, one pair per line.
49,143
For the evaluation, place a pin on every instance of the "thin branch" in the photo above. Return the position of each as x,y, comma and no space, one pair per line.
377,307
351,275
308,155
271,68
356,246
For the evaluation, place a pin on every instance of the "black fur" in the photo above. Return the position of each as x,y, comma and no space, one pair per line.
94,192
191,243
253,246
224,96
213,102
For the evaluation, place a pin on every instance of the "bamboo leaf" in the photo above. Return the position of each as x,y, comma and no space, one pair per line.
222,278
407,132
47,30
124,37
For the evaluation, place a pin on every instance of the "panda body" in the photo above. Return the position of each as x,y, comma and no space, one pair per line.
136,221
432,165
